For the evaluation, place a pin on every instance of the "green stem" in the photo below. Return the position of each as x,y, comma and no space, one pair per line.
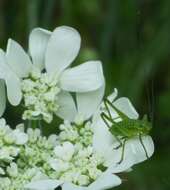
34,124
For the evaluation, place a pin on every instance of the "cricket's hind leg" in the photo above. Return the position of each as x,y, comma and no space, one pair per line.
144,148
123,151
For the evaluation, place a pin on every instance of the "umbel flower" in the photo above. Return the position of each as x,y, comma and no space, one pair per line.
96,140
23,156
85,157
10,141
44,78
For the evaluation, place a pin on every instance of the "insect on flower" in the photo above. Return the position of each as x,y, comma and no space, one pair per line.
126,129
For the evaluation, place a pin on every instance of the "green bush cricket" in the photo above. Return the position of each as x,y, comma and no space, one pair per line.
126,129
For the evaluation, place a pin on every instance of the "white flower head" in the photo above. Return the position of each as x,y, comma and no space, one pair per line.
106,180
76,163
46,93
12,170
103,144
83,155
10,141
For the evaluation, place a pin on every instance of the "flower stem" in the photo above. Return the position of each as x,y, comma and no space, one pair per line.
34,124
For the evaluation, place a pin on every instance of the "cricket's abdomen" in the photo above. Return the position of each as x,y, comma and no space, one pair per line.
129,129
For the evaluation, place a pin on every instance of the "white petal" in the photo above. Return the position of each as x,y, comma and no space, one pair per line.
18,60
134,152
124,166
103,141
43,184
13,89
124,105
21,137
137,149
4,68
111,155
88,103
62,48
38,40
65,151
12,81
67,109
2,172
54,163
70,186
83,78
2,97
112,96
3,124
106,181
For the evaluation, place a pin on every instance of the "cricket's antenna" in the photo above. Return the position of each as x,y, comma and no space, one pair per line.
151,100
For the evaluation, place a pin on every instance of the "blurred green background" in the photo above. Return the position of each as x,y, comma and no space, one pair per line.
132,38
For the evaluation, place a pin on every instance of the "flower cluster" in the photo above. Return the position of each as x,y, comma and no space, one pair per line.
10,142
40,96
74,159
29,161
16,178
96,139
76,133
67,157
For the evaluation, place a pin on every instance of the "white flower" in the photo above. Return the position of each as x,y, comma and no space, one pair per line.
3,127
105,143
10,141
20,137
59,165
12,136
83,160
2,172
64,152
54,52
5,154
12,170
107,180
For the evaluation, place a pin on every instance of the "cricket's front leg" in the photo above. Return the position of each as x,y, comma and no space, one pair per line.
107,120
